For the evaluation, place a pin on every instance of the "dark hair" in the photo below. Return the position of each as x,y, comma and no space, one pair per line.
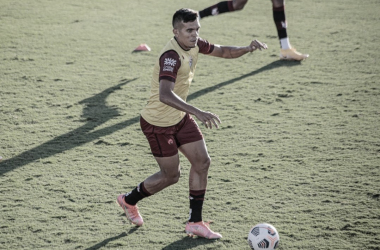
184,15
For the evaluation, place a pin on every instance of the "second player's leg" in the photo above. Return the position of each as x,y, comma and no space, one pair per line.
222,7
278,3
287,52
239,4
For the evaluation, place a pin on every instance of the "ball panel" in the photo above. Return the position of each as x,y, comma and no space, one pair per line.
255,231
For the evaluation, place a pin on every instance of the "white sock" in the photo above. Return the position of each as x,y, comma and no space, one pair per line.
285,44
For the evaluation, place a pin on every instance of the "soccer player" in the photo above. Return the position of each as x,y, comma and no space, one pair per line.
287,52
168,124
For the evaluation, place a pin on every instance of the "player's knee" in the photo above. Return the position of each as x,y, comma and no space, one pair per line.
204,165
173,178
239,4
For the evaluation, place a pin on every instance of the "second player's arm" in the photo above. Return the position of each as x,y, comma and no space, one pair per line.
168,97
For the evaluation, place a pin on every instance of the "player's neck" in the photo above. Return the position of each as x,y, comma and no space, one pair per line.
180,45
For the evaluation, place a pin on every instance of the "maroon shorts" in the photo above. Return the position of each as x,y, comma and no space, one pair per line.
165,141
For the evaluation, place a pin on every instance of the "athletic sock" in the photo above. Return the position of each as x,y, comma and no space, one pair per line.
285,44
196,202
281,25
219,8
136,194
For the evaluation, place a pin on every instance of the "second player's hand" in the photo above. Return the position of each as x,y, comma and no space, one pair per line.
208,119
255,44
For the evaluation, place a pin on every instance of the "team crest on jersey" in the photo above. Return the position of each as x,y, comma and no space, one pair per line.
191,61
169,64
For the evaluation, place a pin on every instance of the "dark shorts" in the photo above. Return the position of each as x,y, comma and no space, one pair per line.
165,141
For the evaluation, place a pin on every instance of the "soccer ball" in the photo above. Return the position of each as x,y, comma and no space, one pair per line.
263,236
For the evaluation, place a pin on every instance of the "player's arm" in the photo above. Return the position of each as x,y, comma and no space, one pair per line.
234,51
170,98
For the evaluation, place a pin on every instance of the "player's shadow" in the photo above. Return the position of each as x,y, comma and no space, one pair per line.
106,241
96,113
187,243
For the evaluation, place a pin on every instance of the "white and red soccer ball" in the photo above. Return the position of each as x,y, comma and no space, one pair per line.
263,236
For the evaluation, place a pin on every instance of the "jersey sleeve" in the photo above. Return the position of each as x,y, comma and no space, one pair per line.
169,65
204,46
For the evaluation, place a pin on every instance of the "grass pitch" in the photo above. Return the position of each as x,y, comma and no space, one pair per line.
299,146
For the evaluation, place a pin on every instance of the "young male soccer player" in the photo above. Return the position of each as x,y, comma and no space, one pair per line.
287,52
168,125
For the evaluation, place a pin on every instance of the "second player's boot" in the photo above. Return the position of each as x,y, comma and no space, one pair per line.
292,54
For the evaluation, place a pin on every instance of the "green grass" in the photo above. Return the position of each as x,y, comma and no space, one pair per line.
299,146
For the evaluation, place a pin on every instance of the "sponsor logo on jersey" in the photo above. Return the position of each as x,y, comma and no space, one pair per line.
169,64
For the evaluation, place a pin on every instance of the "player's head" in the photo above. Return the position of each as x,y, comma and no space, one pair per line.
186,28
184,16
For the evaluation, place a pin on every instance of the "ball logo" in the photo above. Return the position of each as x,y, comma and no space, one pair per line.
170,141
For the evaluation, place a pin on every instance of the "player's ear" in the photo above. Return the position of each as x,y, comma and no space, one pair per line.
175,32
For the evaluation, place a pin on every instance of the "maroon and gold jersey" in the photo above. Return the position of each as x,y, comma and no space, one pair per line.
177,65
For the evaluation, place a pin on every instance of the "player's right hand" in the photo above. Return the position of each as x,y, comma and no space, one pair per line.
255,44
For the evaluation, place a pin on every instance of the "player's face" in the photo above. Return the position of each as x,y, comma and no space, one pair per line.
187,34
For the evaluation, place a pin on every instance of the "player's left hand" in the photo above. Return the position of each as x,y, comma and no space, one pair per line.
255,44
209,119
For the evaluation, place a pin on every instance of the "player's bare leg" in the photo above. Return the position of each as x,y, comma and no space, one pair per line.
287,52
168,175
196,153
